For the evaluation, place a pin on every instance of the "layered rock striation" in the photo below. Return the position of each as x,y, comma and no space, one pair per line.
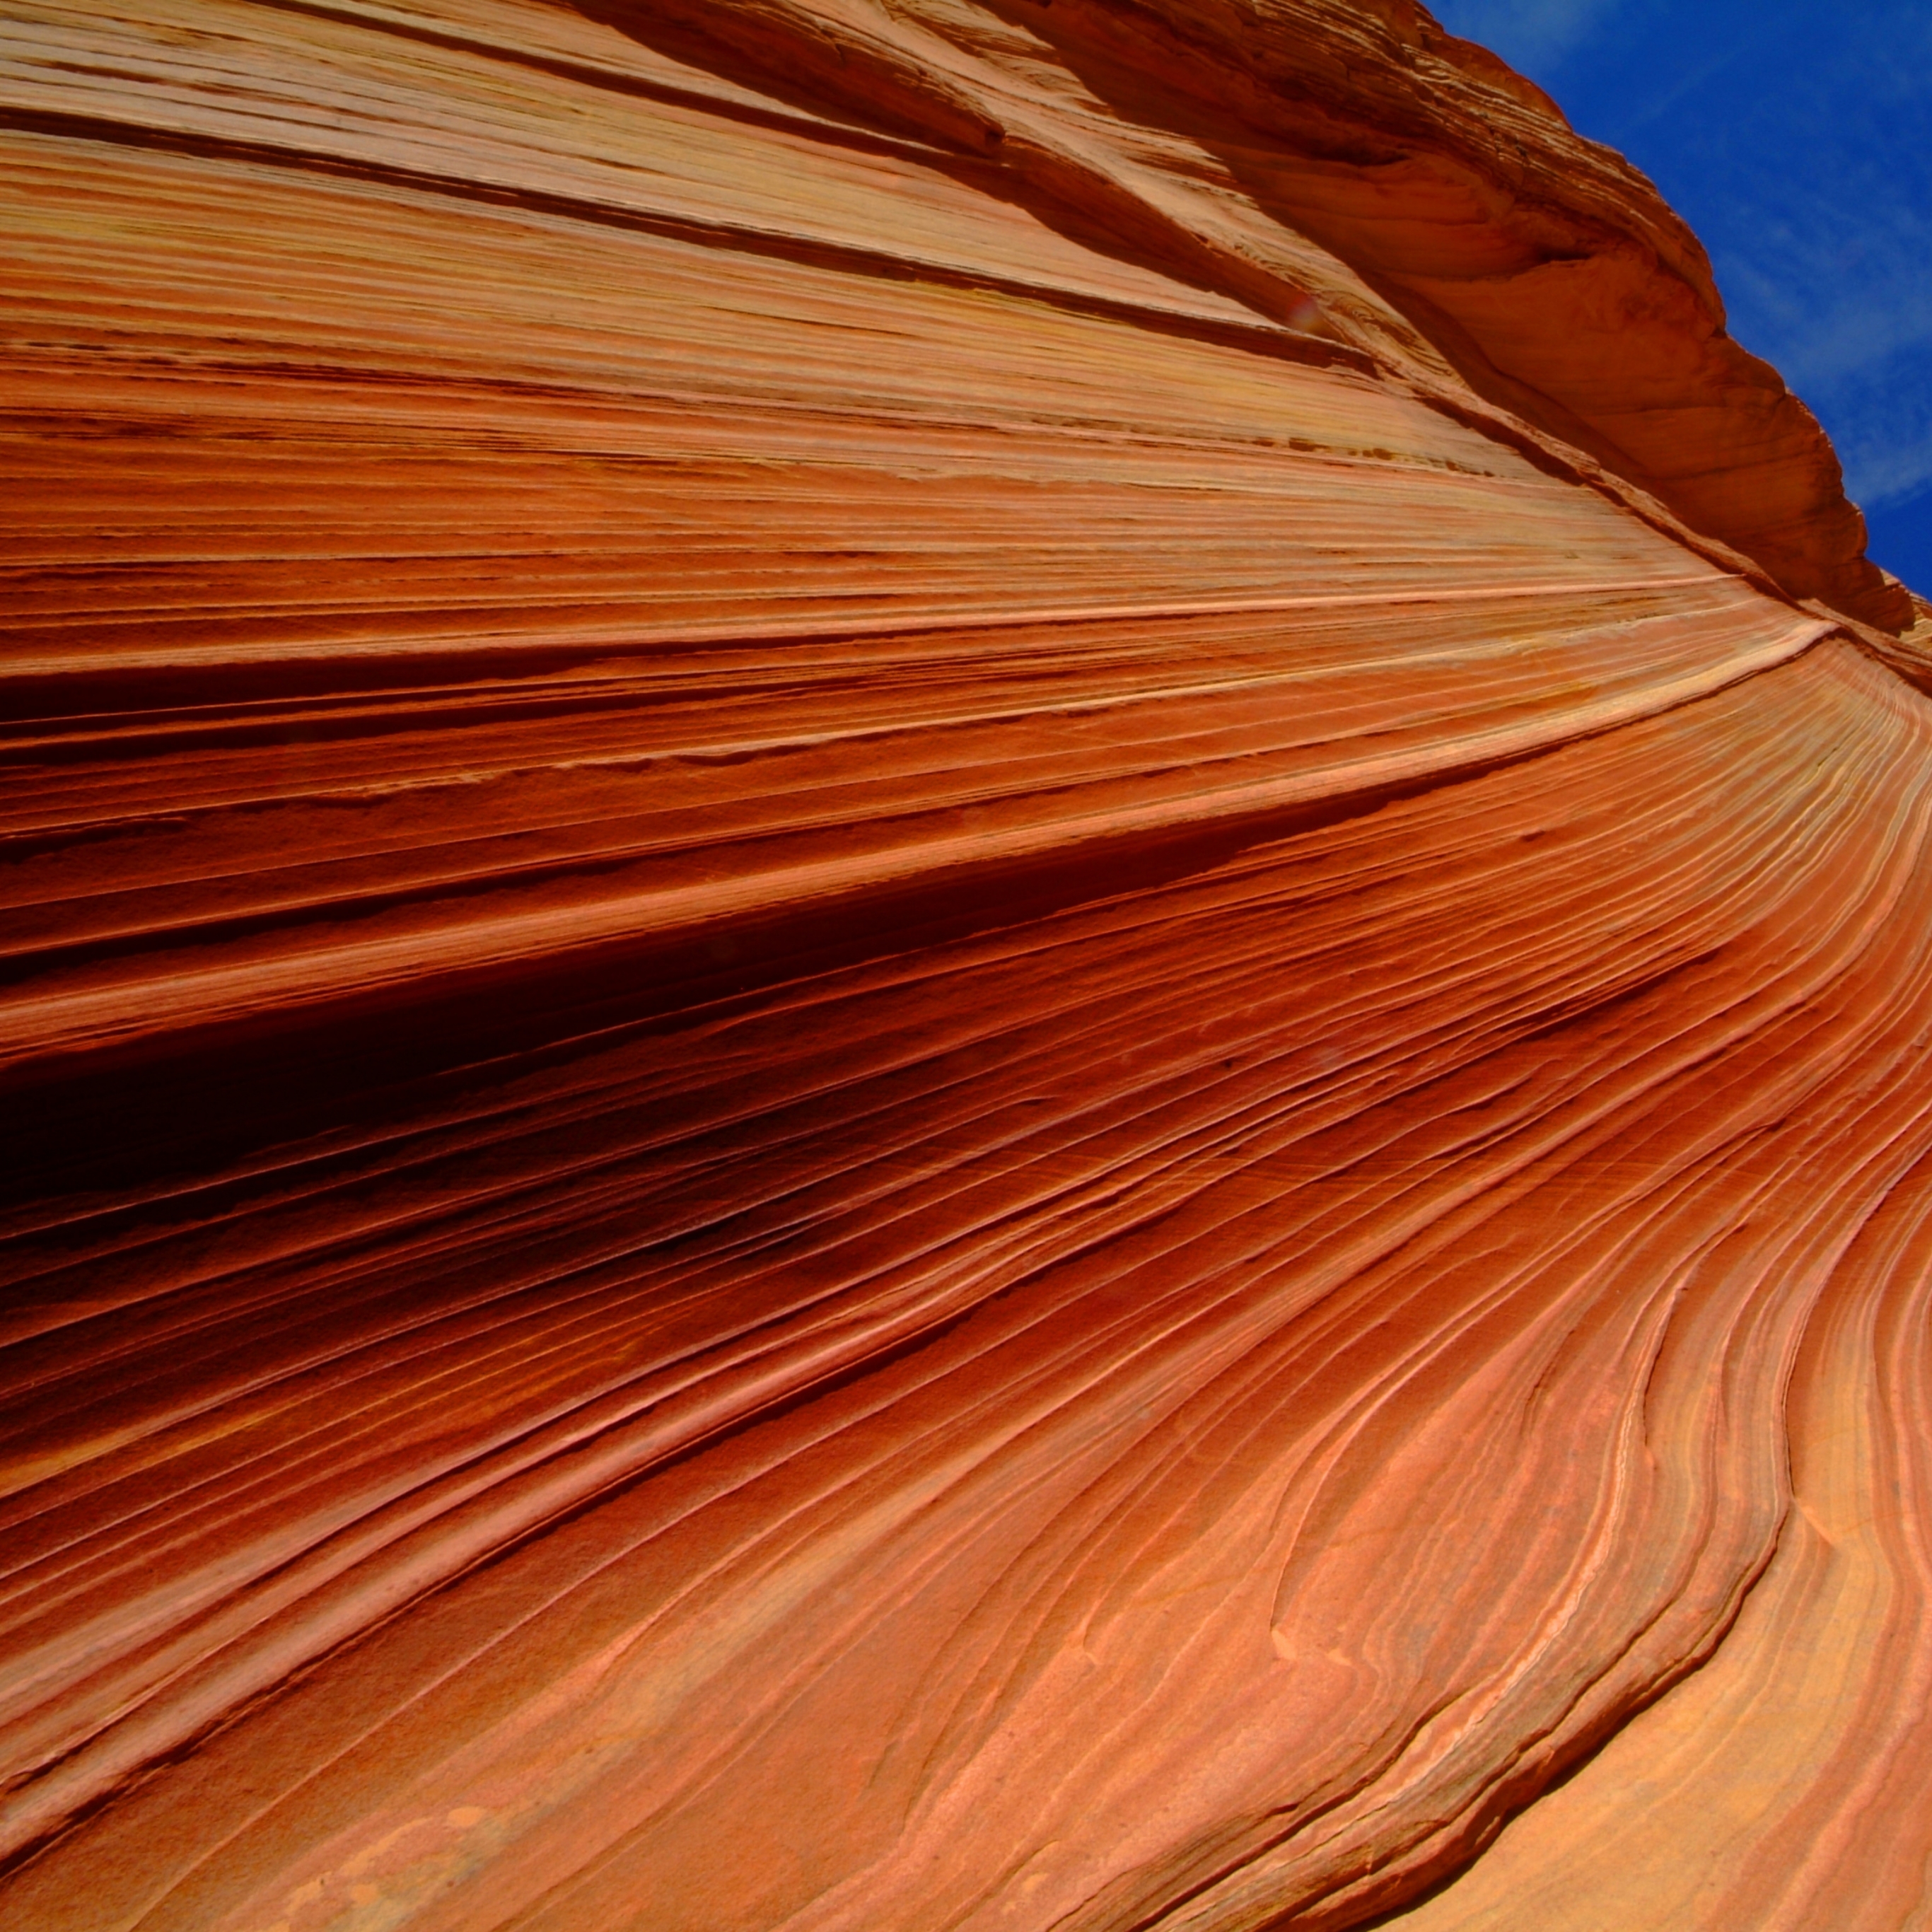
968,964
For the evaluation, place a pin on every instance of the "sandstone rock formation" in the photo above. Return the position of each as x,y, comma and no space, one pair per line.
969,965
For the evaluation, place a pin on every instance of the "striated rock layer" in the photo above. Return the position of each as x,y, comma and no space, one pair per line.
968,966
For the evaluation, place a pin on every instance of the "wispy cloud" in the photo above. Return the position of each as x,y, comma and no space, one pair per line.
1881,422
1528,34
1822,326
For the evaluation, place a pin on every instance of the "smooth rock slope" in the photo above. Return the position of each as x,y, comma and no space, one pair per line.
968,964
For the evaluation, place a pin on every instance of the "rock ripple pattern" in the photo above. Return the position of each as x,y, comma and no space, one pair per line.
968,965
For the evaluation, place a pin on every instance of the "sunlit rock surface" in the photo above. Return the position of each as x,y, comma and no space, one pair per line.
968,966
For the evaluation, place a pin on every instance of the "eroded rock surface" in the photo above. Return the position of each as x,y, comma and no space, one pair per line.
969,966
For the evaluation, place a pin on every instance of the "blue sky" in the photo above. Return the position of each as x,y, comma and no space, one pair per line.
1795,136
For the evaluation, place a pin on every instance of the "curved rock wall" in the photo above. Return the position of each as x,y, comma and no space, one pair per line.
894,1039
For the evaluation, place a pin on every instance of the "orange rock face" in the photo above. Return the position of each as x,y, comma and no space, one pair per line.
969,966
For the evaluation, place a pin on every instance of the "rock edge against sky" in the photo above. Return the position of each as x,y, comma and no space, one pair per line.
1796,137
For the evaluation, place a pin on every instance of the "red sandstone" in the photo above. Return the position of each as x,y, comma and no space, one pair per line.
968,966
